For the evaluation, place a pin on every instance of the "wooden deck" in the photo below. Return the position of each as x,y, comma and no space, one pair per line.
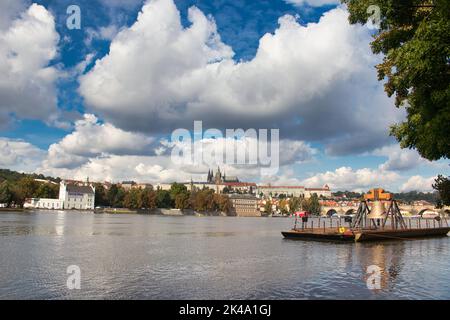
360,235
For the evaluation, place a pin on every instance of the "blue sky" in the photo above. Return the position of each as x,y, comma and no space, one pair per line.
102,101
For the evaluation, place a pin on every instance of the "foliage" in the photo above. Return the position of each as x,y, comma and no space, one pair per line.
101,196
348,194
163,199
13,176
442,185
312,205
6,193
414,37
268,207
47,190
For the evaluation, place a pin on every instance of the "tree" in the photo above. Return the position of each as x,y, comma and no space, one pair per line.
312,205
28,187
284,206
224,204
182,200
176,189
203,201
149,199
268,207
442,185
414,36
163,199
6,194
133,199
47,190
101,196
295,204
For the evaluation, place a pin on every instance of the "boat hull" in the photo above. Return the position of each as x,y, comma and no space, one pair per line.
313,236
365,235
375,235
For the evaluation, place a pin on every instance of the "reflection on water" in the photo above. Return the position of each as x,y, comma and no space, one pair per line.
152,257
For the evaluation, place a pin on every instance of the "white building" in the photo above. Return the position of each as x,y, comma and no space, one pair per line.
293,191
77,197
70,197
41,203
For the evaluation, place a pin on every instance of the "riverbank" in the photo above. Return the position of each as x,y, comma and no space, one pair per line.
11,209
161,212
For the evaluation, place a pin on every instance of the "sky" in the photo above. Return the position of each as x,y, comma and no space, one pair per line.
102,101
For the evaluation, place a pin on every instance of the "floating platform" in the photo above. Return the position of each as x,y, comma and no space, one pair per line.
332,234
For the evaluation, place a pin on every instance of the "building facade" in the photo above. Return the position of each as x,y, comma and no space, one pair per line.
41,203
293,191
79,197
245,206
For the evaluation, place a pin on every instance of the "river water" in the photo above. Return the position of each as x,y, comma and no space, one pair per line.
156,257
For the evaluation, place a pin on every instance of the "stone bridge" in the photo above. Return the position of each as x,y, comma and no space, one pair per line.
404,208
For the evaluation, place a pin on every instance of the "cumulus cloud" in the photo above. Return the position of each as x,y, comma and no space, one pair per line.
102,33
91,138
418,183
19,155
314,82
118,168
93,144
28,44
347,178
399,159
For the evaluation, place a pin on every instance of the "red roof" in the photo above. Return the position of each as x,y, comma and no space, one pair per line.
240,184
282,187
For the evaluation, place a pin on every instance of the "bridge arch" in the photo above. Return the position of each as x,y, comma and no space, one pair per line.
331,212
350,211
421,212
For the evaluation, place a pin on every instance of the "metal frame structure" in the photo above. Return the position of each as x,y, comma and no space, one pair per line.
393,213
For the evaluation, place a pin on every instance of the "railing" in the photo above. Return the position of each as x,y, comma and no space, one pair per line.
326,224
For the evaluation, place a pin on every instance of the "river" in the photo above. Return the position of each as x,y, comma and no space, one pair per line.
157,257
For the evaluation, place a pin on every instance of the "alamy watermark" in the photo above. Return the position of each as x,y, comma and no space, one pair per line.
373,281
374,21
73,21
74,280
237,147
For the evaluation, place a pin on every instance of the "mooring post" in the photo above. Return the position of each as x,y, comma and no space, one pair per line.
420,223
324,227
434,223
312,224
409,221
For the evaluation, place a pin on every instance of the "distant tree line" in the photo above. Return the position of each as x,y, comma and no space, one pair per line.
178,197
294,204
14,193
406,197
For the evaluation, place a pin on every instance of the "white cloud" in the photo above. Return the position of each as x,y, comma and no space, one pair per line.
418,183
19,155
27,46
399,159
159,76
313,3
346,178
102,33
100,146
91,139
